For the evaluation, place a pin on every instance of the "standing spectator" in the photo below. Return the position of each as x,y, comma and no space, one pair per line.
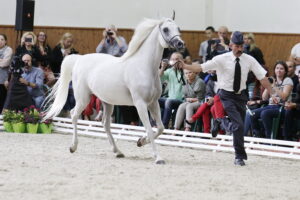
61,50
220,45
209,33
112,43
33,78
193,92
44,54
27,46
232,84
175,82
251,48
5,60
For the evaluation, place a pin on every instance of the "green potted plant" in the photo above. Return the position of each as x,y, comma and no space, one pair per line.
7,120
45,126
32,118
18,122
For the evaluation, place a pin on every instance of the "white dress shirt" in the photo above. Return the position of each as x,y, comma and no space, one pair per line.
225,66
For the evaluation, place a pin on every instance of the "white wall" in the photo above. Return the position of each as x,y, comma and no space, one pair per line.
244,15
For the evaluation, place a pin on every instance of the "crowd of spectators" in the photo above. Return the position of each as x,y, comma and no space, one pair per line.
188,97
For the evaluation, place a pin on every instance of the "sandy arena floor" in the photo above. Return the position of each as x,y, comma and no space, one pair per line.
40,167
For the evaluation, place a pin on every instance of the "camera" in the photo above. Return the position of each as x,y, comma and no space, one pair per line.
28,39
165,60
215,41
17,66
109,33
271,80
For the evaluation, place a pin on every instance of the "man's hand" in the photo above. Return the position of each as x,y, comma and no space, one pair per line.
289,105
22,80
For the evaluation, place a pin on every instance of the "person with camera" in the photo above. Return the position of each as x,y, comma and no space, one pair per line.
33,78
209,33
169,72
5,59
232,69
282,87
112,43
27,46
18,96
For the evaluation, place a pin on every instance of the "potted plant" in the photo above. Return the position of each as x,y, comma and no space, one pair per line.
32,118
7,120
18,122
45,126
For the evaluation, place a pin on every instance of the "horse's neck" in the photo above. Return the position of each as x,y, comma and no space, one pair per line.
151,51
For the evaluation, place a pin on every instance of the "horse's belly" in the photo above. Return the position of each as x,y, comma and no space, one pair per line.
114,96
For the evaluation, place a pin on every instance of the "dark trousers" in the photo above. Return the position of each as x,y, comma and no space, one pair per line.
3,93
235,107
289,123
167,105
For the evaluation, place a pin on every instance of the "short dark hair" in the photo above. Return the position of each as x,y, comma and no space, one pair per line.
210,28
5,37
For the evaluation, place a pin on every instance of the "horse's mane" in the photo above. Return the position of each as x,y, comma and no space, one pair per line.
141,32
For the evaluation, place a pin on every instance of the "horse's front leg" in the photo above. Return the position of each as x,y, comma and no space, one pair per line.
154,109
143,113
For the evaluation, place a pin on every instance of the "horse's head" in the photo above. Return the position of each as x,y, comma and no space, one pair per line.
170,35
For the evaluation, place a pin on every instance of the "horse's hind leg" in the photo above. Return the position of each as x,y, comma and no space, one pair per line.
107,112
143,113
81,103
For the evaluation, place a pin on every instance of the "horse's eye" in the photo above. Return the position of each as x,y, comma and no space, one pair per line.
166,30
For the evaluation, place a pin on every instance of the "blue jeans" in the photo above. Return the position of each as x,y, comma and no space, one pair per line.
266,114
247,124
167,105
289,120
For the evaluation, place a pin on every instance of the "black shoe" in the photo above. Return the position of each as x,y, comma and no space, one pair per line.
239,162
216,127
189,123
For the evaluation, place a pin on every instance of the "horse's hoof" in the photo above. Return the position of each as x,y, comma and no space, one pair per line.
160,162
139,142
120,155
71,150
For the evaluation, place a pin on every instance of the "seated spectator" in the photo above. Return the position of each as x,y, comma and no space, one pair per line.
292,112
282,89
175,82
95,103
5,59
292,75
60,51
193,92
209,33
212,105
295,57
44,54
112,43
33,78
27,46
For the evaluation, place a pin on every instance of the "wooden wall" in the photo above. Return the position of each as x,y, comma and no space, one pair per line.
274,46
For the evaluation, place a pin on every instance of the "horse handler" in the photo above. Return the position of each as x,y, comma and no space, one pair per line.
232,70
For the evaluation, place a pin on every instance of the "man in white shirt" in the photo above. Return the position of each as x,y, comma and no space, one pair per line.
232,69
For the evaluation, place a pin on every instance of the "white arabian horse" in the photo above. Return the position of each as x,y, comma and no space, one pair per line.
132,79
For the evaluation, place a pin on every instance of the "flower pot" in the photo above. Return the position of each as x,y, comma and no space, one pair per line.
19,127
45,128
8,127
32,128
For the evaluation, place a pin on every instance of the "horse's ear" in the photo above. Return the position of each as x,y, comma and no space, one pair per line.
173,17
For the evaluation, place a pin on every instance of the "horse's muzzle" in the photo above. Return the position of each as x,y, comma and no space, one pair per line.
178,44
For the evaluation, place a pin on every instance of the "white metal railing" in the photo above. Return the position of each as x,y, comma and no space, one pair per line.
194,140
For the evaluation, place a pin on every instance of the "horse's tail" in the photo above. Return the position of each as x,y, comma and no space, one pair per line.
59,92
